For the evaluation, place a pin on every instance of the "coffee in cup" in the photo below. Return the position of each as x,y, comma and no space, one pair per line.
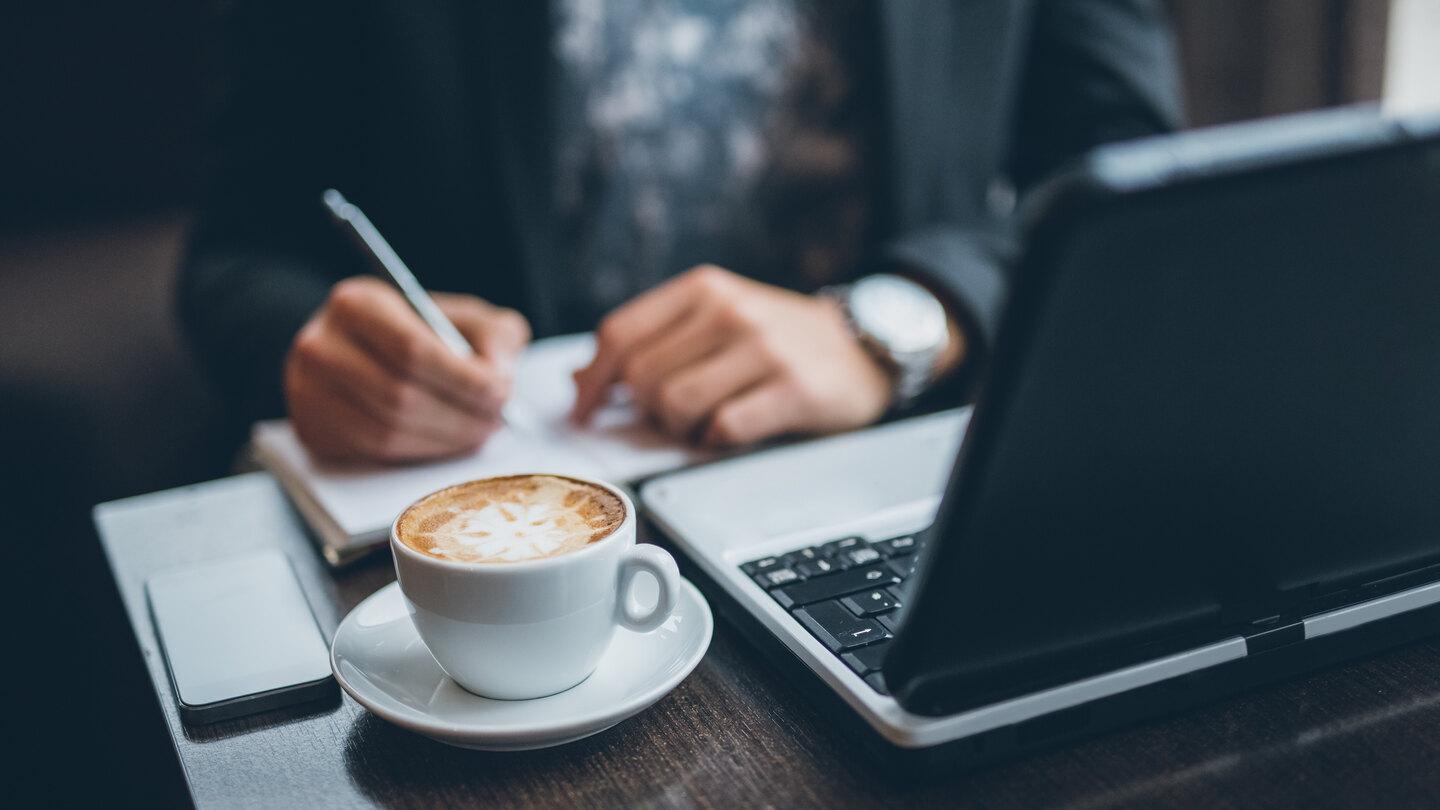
510,519
516,584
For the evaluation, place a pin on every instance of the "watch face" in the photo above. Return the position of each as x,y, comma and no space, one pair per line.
899,313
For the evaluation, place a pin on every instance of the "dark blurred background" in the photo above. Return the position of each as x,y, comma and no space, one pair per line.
103,108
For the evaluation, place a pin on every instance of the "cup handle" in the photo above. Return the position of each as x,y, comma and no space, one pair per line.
645,557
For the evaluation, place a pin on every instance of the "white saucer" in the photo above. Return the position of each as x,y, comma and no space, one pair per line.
380,661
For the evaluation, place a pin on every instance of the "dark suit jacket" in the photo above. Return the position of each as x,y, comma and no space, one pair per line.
431,115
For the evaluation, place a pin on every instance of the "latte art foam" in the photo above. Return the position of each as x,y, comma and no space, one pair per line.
510,519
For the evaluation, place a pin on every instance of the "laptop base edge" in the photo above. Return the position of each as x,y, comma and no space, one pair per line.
1057,729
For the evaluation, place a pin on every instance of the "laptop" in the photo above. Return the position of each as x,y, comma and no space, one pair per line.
1205,455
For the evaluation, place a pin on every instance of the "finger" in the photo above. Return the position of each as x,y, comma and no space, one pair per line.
688,399
498,334
395,403
333,427
763,411
378,318
634,324
322,350
652,364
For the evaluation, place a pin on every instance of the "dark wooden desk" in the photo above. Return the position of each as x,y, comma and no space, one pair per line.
736,734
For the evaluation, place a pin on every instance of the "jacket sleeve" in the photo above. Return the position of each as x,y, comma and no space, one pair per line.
1095,71
261,257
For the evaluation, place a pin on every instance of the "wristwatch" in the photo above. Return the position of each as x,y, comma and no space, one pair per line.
901,324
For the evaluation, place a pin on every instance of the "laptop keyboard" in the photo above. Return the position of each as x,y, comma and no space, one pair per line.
846,593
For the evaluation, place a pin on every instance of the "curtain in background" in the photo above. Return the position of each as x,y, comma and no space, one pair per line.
1251,58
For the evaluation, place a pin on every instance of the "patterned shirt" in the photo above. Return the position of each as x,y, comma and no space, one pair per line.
731,132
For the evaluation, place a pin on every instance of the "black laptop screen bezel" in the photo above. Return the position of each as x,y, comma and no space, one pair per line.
920,669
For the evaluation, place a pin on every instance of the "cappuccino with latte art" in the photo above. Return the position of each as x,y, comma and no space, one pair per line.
510,519
517,584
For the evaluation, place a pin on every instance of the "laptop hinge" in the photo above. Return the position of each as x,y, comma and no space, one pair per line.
1272,637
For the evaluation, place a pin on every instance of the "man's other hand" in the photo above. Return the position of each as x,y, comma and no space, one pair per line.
367,380
723,360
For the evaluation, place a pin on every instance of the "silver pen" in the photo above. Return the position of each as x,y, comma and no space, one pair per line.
365,235
367,238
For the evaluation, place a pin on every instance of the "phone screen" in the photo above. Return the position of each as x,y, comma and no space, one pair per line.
238,636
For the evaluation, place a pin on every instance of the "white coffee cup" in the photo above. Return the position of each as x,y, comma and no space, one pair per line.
518,630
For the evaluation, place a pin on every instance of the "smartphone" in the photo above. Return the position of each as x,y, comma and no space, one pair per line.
239,637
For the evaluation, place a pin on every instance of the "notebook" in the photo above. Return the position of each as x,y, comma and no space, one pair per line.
350,507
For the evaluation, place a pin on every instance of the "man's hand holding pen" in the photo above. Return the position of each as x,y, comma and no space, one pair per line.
367,379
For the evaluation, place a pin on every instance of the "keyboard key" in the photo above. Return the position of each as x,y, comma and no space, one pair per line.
903,566
897,546
889,621
877,682
835,586
861,556
815,568
871,603
765,564
803,555
838,628
834,547
776,577
865,660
